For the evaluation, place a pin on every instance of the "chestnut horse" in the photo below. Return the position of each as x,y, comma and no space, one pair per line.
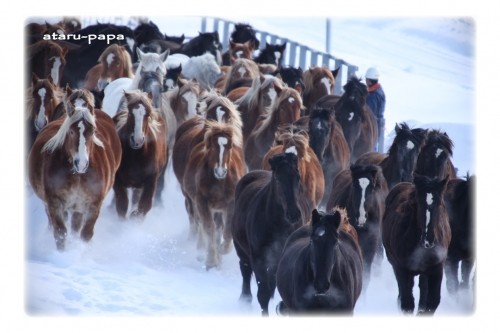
269,206
44,105
46,58
241,70
284,110
311,173
320,271
143,139
72,165
356,118
416,235
115,62
362,190
318,82
400,162
214,168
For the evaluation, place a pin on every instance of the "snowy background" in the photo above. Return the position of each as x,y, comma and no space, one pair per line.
133,271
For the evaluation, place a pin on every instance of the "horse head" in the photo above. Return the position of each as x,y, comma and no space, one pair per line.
151,73
287,107
218,146
245,33
286,179
320,128
293,77
171,78
366,179
405,150
139,118
324,239
44,100
271,54
432,219
240,50
435,156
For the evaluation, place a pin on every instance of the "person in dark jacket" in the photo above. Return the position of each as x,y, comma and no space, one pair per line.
376,102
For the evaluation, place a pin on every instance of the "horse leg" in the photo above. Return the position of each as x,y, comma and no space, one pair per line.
435,277
405,286
146,200
90,220
423,285
76,222
467,265
57,217
160,186
246,274
227,235
451,271
263,292
209,233
121,199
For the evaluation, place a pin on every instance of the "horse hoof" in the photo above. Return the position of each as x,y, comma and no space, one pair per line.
246,298
281,309
225,248
137,215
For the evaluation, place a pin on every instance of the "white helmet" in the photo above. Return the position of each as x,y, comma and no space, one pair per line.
372,73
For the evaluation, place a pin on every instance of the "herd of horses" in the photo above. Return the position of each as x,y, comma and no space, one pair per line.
268,160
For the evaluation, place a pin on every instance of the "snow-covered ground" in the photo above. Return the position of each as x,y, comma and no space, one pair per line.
147,274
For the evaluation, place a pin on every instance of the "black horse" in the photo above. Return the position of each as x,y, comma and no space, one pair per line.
269,206
271,54
242,33
293,77
400,163
435,156
321,268
416,235
147,34
362,191
460,204
201,44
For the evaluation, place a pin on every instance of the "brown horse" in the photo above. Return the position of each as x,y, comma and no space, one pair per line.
362,190
318,82
356,118
142,133
214,168
284,110
241,70
240,50
416,235
400,162
44,105
46,58
256,99
72,165
327,140
311,173
114,62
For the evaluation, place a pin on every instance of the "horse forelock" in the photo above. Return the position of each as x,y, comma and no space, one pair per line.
297,140
134,99
59,138
215,128
313,74
233,117
270,112
440,139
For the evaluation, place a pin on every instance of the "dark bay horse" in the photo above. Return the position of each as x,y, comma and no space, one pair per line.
460,204
143,139
434,159
356,118
268,207
292,77
362,190
311,173
214,168
46,59
320,271
400,162
328,142
72,165
416,235
284,110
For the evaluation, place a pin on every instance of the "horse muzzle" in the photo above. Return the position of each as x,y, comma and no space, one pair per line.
220,173
136,143
80,166
40,123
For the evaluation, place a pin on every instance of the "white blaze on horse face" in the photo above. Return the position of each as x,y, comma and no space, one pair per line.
292,150
139,113
320,232
80,105
242,71
429,199
326,82
220,114
351,115
41,120
277,55
191,99
110,58
410,145
238,54
291,100
54,72
438,152
363,182
82,154
221,168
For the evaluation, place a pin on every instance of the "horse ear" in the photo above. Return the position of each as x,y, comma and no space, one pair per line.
164,55
140,54
316,216
34,78
335,72
335,219
278,90
283,46
231,44
68,90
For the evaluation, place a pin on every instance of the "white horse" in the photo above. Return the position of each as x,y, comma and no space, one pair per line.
149,77
204,69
